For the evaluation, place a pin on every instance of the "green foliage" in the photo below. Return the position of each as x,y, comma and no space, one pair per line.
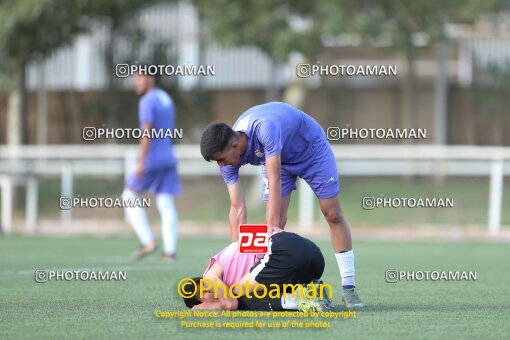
491,96
282,27
276,27
37,27
398,20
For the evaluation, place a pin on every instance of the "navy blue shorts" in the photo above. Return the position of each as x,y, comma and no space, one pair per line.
319,171
156,181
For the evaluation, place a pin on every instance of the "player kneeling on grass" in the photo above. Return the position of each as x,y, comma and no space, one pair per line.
291,259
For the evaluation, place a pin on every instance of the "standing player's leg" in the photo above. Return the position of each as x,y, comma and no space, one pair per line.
168,213
168,185
340,232
322,176
140,224
342,244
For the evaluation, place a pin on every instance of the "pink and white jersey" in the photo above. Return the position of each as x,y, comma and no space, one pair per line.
235,265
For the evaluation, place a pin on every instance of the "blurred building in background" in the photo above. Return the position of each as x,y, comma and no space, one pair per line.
72,87
455,84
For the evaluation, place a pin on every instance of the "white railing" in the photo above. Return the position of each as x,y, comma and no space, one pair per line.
24,164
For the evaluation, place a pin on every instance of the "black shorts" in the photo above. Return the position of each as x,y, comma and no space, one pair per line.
290,259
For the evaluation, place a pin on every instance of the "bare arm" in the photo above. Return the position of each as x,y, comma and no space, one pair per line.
225,302
274,203
237,213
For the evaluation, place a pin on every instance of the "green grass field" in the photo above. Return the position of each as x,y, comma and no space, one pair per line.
419,309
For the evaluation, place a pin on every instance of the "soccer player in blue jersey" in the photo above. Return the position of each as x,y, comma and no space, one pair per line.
287,143
156,170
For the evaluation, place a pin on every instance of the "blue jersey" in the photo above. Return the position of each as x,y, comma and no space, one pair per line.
156,107
275,128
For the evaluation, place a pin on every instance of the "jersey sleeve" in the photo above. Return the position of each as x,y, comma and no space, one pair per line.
230,174
224,257
145,111
227,255
270,135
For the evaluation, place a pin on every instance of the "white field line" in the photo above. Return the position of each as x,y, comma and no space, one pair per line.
128,268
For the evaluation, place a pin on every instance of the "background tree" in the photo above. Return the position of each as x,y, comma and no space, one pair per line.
31,29
280,28
403,24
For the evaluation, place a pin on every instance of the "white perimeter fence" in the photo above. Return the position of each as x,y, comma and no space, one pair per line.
23,165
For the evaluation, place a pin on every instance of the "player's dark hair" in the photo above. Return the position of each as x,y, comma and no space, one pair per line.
191,290
146,65
215,137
